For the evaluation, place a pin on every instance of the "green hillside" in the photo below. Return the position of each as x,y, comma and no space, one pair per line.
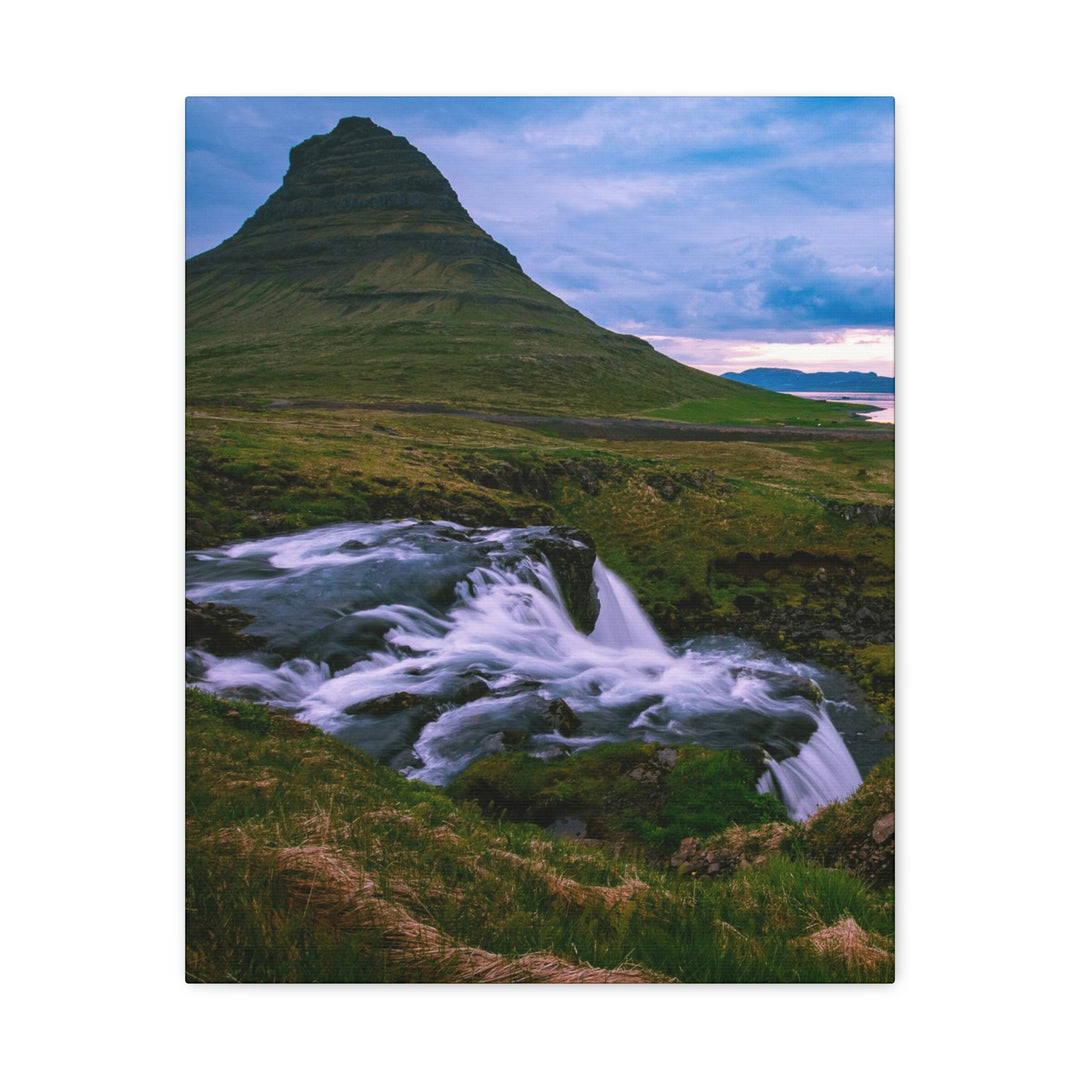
308,862
363,279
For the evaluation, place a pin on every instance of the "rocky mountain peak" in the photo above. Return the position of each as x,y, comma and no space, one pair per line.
360,167
352,199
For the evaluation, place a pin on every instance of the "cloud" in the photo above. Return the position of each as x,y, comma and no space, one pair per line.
726,288
694,218
852,350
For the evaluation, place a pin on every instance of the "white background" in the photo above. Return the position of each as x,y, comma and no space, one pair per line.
92,179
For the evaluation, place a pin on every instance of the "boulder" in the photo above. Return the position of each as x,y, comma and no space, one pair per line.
561,718
884,828
571,554
568,828
692,858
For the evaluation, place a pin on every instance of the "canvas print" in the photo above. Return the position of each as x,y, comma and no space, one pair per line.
540,540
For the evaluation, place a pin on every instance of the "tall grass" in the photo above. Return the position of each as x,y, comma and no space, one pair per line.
309,862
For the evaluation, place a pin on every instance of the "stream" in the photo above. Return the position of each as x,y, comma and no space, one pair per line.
429,645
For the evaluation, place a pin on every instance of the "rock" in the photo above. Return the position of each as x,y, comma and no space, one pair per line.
571,554
386,705
535,482
724,862
466,688
870,513
884,828
215,628
687,848
585,478
520,687
199,528
568,828
561,718
407,759
874,857
667,756
786,686
665,486
692,859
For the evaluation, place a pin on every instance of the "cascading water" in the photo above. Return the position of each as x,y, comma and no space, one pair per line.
430,645
621,624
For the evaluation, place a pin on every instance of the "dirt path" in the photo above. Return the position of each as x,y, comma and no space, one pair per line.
624,430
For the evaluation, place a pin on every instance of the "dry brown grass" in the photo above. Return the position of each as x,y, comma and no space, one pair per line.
573,893
848,940
755,844
334,891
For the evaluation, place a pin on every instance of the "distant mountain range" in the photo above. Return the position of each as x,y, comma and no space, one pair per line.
786,381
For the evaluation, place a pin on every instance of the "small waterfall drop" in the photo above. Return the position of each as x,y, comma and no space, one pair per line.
429,645
621,623
822,772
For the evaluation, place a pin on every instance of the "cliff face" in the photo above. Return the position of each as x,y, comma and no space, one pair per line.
362,278
360,165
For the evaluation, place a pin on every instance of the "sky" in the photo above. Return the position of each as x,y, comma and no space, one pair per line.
728,232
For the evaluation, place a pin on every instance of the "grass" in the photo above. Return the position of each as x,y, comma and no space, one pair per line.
328,310
766,408
837,830
623,792
662,513
308,862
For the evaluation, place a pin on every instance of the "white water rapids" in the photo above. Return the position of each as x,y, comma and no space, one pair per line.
430,645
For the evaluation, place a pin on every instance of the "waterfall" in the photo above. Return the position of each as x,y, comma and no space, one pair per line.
429,645
621,623
822,772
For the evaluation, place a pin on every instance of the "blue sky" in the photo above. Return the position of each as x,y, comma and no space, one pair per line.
729,232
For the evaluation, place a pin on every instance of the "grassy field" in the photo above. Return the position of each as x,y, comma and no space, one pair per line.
306,862
765,408
672,518
280,464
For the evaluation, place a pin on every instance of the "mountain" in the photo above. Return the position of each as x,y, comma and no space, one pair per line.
362,278
783,380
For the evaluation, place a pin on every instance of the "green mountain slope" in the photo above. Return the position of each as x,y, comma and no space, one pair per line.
363,279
